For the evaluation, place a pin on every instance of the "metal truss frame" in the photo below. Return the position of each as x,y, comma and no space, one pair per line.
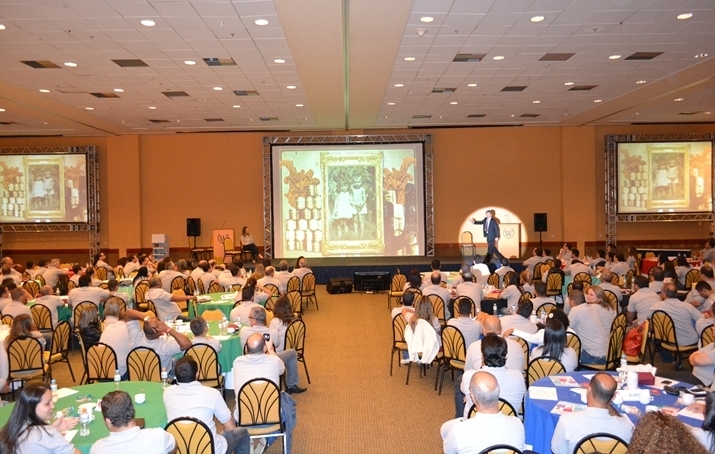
92,224
611,184
378,139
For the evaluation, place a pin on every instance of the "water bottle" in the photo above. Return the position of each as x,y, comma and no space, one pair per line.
53,388
117,379
223,326
495,310
164,378
57,291
533,319
542,315
84,423
624,363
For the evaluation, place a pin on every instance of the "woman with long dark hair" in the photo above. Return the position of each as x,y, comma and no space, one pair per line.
705,434
27,430
89,327
282,316
513,291
142,275
247,244
555,345
23,326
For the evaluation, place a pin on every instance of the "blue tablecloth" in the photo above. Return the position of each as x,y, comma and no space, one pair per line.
540,423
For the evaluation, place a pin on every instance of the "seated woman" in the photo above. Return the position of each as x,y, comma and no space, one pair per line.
142,275
555,346
282,316
682,270
705,434
660,432
23,326
512,292
27,430
414,280
247,244
89,327
419,335
527,282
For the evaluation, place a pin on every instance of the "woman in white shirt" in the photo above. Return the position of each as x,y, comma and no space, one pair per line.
555,346
247,244
682,270
512,292
705,434
282,317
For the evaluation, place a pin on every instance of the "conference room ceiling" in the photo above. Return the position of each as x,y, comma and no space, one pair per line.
329,65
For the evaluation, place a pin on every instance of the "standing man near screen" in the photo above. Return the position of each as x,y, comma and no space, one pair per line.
491,233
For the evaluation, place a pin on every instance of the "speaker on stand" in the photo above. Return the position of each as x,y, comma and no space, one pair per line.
540,225
193,229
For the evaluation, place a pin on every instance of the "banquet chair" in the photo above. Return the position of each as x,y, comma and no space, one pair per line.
295,339
192,436
229,250
612,300
209,366
25,360
573,341
196,252
200,286
40,279
507,278
619,320
272,289
236,288
178,283
547,307
541,367
32,287
133,274
665,338
526,296
119,272
151,307
307,290
42,318
60,347
525,347
397,286
644,344
537,271
140,295
601,442
628,280
293,284
438,309
104,286
455,353
78,312
545,267
259,410
295,303
493,280
191,284
466,244
100,273
504,407
500,449
554,282
613,356
692,278
100,363
706,336
211,315
215,287
455,306
7,319
270,304
398,339
615,280
71,285
143,364
583,277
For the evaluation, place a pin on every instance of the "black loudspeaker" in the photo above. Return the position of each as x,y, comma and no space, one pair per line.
340,285
193,226
540,222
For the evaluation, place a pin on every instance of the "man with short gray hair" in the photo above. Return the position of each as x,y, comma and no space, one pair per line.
283,275
168,274
53,272
270,279
48,299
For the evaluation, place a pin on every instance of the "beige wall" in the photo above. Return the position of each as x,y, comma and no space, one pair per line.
152,183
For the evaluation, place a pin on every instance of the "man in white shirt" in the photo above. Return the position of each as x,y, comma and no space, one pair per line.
488,427
200,328
207,277
302,269
190,398
471,329
6,273
683,314
168,274
150,336
599,416
18,305
540,299
131,266
436,265
620,266
198,271
406,309
657,283
116,335
7,261
124,434
283,275
112,288
85,292
531,262
641,302
521,319
693,297
708,254
436,289
99,262
270,279
243,310
605,284
703,362
53,272
164,301
705,291
40,270
230,277
471,289
576,266
48,299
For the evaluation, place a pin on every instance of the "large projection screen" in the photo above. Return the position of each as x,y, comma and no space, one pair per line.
346,200
664,177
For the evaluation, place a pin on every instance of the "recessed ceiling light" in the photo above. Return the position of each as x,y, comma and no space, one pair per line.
71,64
568,83
236,106
498,57
218,88
44,90
427,19
278,60
189,62
390,103
148,23
707,113
641,82
2,110
598,100
409,58
305,118
685,16
89,108
471,85
678,99
299,105
2,27
701,55
454,103
385,116
119,90
291,87
152,107
536,102
512,115
614,57
399,85
261,22
537,19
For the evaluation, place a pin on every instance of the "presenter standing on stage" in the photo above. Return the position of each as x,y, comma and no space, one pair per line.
491,233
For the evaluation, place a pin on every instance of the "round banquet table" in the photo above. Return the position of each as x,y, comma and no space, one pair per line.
223,301
540,423
153,410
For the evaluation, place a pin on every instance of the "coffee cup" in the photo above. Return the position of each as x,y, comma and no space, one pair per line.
687,398
632,380
140,398
645,398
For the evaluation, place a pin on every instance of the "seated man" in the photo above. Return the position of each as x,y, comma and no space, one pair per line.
113,289
48,299
85,292
283,275
488,427
302,269
556,268
536,258
705,291
620,266
150,336
471,289
270,279
436,265
641,302
164,301
599,416
124,434
6,273
407,308
576,266
242,311
471,329
231,277
289,357
116,335
683,314
540,299
200,329
436,289
18,305
657,283
605,284
261,362
190,398
521,319
53,272
207,276
100,262
168,274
